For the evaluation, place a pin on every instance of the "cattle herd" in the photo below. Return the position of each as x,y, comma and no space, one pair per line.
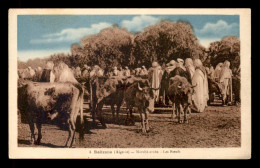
59,91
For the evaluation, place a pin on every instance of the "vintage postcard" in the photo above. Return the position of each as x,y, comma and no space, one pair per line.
129,83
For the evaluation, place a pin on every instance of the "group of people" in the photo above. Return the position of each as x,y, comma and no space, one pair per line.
194,72
158,76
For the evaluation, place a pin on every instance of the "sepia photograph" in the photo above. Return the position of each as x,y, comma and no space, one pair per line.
130,83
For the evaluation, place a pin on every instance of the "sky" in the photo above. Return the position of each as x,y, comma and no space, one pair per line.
43,35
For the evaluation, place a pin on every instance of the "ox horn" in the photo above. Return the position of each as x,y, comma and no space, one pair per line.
139,88
194,86
179,86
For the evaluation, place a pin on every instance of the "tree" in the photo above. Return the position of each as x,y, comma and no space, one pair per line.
228,48
111,47
166,41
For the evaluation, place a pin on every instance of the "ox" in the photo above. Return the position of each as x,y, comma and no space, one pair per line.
106,91
180,92
141,98
39,101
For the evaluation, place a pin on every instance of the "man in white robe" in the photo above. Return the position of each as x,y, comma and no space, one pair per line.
226,83
217,72
180,63
199,79
127,71
155,76
189,66
143,71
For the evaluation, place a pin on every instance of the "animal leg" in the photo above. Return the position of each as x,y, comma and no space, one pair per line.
173,111
186,114
31,125
181,113
117,112
94,116
142,121
73,120
113,112
178,113
39,127
131,117
146,121
70,132
101,118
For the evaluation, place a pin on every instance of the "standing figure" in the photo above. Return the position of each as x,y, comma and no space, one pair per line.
200,80
211,72
189,66
226,83
165,82
155,76
143,71
47,73
217,72
127,71
115,71
120,71
180,63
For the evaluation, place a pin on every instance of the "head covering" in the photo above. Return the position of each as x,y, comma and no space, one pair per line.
170,66
179,60
49,65
96,67
172,62
226,64
188,62
39,68
87,67
197,63
220,65
155,64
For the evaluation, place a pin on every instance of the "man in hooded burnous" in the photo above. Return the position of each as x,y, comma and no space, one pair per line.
165,82
217,72
225,81
127,71
180,63
155,76
200,80
189,66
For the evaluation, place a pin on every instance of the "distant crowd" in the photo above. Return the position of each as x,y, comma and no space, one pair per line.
197,74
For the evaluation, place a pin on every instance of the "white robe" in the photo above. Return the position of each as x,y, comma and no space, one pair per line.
225,82
191,70
155,76
201,95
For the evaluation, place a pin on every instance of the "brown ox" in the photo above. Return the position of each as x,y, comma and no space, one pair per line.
39,101
106,91
140,95
180,92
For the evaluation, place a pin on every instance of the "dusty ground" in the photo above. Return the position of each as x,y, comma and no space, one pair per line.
216,127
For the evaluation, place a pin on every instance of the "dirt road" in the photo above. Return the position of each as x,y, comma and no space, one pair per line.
216,127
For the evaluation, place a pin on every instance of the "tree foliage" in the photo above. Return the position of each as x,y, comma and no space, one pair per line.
111,47
161,42
166,41
227,48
